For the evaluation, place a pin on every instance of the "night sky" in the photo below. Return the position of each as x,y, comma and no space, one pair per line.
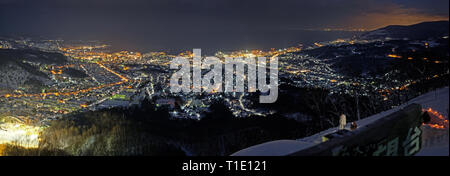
209,24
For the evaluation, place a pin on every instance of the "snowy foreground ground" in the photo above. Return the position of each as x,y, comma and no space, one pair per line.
435,142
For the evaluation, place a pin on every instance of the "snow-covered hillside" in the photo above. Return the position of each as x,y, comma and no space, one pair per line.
434,141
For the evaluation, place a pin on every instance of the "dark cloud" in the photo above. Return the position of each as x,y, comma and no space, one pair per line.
161,23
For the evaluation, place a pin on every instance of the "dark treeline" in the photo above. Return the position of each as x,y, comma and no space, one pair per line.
145,130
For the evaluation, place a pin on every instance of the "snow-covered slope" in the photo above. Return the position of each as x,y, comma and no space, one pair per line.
437,100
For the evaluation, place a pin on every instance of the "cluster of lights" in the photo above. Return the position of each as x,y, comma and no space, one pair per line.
260,53
124,80
438,121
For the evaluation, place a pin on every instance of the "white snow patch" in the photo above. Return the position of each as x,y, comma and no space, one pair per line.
437,100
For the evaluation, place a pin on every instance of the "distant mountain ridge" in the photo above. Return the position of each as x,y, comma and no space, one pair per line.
418,31
423,40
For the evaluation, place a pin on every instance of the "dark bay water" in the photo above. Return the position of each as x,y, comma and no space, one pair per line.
224,41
